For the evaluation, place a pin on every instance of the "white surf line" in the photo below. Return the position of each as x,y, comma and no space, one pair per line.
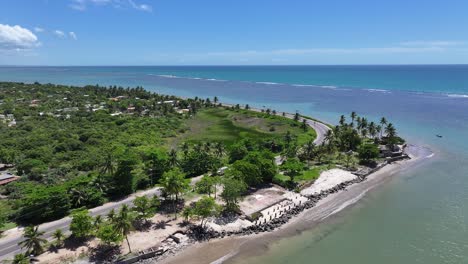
347,203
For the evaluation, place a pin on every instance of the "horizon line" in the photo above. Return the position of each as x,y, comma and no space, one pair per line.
234,65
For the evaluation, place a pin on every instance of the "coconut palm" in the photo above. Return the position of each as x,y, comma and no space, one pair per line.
108,166
207,146
77,196
329,136
59,236
378,129
383,121
20,259
358,124
342,120
123,223
390,130
33,241
296,116
174,183
353,117
309,150
111,215
185,149
97,221
173,158
372,129
219,149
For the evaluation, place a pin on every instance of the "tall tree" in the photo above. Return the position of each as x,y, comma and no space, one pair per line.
353,117
123,223
108,234
81,225
143,208
174,183
59,236
232,192
204,208
33,242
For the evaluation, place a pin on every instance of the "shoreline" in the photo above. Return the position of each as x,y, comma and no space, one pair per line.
230,249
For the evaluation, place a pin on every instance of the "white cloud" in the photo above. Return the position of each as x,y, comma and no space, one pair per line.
72,35
141,7
59,33
17,38
443,43
404,47
82,5
38,29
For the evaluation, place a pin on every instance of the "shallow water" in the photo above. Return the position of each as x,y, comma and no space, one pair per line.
421,216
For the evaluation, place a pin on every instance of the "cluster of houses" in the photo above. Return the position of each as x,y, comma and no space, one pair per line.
5,176
8,119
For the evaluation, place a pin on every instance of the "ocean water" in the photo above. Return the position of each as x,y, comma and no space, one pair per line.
421,216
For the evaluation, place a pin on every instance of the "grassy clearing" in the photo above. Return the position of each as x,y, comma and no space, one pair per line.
229,126
5,208
8,225
306,176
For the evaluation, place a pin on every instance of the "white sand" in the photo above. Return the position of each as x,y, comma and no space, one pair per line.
327,180
234,226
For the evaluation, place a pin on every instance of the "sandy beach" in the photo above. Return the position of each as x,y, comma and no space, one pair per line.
232,249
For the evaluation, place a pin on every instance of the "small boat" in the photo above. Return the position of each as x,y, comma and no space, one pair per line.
439,136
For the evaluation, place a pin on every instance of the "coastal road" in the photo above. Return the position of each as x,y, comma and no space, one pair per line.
9,245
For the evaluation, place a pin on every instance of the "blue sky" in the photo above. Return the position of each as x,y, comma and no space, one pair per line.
240,32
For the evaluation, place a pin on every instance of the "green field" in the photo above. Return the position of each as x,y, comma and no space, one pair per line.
306,176
229,126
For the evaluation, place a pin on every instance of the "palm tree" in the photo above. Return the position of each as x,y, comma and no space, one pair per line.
21,259
342,120
219,149
296,116
390,130
372,129
77,197
363,124
111,215
97,221
329,136
207,146
353,117
58,236
383,121
173,158
33,241
123,223
185,149
108,166
378,129
358,124
309,150
174,183
99,183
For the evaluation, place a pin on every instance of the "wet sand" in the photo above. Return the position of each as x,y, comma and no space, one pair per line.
233,249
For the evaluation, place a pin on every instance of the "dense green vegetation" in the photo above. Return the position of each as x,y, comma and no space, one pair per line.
81,160
80,147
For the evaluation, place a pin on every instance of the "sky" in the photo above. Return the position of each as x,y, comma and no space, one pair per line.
236,32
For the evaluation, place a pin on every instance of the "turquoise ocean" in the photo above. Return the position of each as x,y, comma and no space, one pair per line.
420,216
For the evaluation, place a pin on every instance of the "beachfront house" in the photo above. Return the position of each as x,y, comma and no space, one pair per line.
6,177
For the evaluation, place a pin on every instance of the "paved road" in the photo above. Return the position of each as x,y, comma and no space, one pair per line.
9,246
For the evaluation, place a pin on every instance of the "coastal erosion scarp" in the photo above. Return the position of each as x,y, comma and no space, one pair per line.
225,250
